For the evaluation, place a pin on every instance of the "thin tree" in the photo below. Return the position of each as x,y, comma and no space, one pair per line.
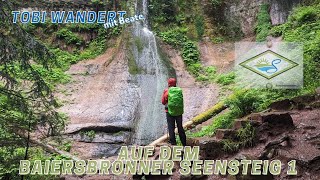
26,100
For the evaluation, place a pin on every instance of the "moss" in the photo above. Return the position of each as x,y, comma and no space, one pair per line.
166,61
209,113
134,69
139,44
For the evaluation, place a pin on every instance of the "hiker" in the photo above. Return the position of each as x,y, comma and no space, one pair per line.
172,98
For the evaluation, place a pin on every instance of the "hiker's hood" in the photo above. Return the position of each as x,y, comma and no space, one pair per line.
172,82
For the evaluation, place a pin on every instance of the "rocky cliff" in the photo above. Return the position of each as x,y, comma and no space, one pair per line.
243,13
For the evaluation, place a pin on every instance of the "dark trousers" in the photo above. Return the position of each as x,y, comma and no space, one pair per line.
171,126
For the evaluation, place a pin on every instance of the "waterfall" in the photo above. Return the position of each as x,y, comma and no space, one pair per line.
151,122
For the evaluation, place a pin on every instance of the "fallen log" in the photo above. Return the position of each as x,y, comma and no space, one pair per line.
216,109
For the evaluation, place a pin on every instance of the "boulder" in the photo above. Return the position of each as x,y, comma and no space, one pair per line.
304,99
192,141
274,118
210,148
240,176
283,105
255,117
226,134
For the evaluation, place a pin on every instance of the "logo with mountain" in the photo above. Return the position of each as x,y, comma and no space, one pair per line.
268,64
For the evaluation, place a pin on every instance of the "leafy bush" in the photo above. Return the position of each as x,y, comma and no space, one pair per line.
69,37
53,76
195,68
190,53
243,102
303,26
277,31
175,37
263,23
307,14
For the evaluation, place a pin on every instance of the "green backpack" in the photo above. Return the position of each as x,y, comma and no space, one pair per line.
175,101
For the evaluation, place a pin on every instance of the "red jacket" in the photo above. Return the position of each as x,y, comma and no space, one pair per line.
171,83
164,99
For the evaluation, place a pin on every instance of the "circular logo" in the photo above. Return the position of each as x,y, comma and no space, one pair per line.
269,86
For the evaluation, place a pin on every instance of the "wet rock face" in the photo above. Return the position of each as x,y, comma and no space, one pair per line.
94,150
280,9
245,12
101,137
105,101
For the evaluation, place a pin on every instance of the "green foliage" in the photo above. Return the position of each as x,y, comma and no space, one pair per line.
199,23
69,37
9,161
66,146
30,28
246,135
164,12
191,56
303,27
175,37
53,76
134,69
190,53
230,146
305,15
226,79
277,31
79,27
216,3
205,74
96,47
195,68
219,122
243,102
90,134
29,73
245,138
218,40
263,23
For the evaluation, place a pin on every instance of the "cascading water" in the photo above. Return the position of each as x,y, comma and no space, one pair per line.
151,122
